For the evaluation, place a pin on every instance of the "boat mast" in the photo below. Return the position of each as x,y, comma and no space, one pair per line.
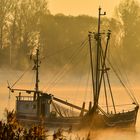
98,59
36,61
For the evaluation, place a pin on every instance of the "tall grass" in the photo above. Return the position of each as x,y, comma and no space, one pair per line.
13,130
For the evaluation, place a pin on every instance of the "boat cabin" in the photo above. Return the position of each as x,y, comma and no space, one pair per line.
26,106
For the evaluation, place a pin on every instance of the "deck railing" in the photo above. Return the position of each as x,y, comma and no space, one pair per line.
24,98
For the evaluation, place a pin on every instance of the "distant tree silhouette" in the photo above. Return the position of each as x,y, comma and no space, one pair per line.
129,14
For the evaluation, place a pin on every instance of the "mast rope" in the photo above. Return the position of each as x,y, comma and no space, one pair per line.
116,105
127,82
67,68
52,54
61,72
20,77
80,77
64,111
58,76
78,83
112,58
128,91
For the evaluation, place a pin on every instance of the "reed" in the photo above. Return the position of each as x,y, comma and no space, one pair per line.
13,130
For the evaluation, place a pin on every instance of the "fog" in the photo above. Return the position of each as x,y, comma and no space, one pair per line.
64,54
69,90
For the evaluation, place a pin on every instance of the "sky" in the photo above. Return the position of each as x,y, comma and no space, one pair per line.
82,7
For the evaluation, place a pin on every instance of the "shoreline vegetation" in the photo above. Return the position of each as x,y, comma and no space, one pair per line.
13,130
26,25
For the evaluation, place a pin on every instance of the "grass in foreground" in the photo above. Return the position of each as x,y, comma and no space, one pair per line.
12,130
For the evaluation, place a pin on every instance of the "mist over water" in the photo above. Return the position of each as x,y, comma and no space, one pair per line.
67,90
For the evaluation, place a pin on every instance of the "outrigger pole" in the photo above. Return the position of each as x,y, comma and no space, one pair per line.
91,64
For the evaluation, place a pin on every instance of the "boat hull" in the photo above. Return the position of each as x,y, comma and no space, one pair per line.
124,119
127,119
50,122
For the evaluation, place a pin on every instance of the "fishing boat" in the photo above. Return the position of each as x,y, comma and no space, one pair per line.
101,79
42,107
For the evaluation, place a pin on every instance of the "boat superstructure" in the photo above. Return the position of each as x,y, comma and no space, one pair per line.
39,107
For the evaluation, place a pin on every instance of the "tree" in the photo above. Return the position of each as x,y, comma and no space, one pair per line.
5,8
25,29
129,15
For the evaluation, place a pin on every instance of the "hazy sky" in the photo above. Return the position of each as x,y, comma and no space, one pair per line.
87,7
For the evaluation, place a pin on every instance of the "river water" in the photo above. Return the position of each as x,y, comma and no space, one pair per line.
71,94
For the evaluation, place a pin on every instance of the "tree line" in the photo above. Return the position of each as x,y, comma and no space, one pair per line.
24,25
